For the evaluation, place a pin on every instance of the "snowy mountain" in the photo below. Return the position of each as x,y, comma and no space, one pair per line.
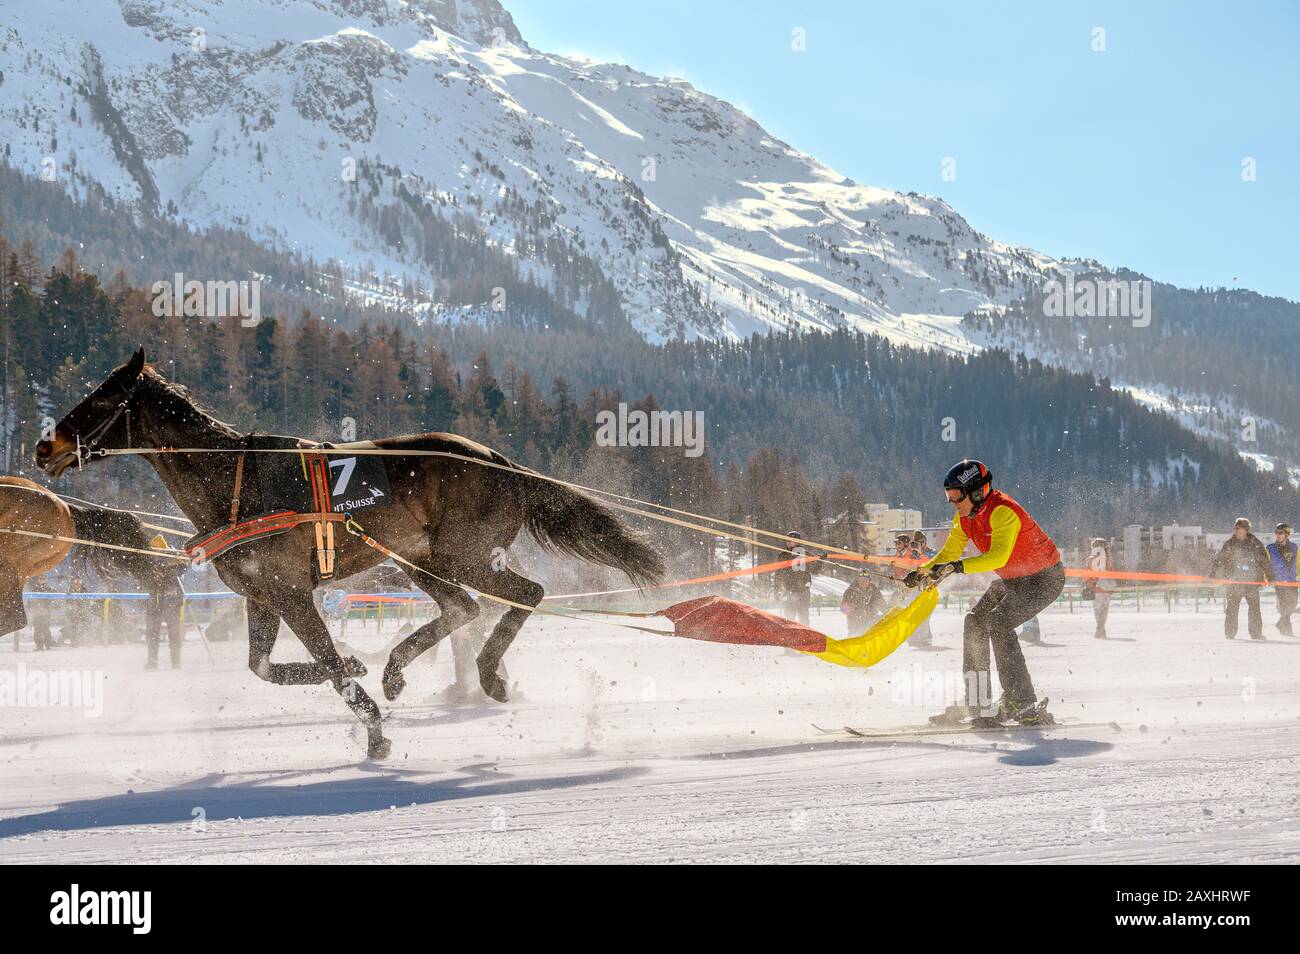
330,127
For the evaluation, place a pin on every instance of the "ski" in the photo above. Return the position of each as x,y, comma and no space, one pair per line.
966,729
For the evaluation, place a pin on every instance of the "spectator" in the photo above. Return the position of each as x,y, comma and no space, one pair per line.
1244,560
1282,555
794,584
863,603
921,545
1099,588
920,550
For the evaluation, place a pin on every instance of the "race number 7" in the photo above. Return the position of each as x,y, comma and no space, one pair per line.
348,465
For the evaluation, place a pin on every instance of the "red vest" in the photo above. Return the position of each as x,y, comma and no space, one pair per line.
1034,549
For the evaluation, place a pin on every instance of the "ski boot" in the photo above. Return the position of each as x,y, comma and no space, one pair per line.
1030,714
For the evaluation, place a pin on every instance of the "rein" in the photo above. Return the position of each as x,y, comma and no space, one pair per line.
416,452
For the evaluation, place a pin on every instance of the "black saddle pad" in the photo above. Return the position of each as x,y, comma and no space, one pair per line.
356,481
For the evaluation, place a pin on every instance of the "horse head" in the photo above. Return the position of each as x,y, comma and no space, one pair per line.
100,422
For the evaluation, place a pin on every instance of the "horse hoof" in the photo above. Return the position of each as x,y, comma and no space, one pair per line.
494,687
352,666
394,682
379,748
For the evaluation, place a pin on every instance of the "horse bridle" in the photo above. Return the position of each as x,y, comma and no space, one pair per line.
90,448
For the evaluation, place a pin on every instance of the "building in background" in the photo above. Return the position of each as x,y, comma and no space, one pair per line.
1172,545
882,521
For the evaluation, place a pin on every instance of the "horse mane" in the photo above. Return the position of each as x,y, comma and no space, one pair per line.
177,400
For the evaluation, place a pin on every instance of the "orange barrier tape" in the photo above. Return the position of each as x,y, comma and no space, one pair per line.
1168,578
379,598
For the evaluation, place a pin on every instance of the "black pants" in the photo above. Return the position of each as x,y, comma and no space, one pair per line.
1286,600
795,605
163,610
993,621
1232,609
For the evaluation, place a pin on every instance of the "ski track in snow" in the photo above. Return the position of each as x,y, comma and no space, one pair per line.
625,748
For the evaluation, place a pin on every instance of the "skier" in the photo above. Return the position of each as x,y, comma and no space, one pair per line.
1100,589
794,584
863,603
1030,578
1243,558
1282,554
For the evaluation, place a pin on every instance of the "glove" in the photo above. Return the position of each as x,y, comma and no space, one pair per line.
915,578
943,570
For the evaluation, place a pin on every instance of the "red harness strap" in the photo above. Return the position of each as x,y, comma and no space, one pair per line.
202,549
316,469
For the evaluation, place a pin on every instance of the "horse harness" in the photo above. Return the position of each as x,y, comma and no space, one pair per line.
315,469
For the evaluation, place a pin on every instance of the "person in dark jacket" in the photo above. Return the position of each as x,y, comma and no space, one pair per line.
1243,558
919,549
794,584
1282,556
863,603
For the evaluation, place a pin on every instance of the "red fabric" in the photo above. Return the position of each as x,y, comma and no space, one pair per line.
718,620
1034,549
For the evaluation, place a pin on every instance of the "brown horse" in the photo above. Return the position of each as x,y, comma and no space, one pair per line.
28,508
36,534
453,519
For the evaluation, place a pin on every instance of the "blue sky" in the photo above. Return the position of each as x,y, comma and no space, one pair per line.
1132,156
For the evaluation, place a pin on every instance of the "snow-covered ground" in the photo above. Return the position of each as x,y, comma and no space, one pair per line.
621,747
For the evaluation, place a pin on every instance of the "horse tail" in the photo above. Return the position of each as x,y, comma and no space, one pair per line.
569,521
123,529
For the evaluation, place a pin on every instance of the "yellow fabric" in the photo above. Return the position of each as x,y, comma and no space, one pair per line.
952,547
1006,530
1005,527
883,638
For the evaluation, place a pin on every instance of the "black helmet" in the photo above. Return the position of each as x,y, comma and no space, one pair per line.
968,476
796,534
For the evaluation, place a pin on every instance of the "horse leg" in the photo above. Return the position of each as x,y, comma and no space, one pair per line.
13,617
301,615
263,628
511,586
455,609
